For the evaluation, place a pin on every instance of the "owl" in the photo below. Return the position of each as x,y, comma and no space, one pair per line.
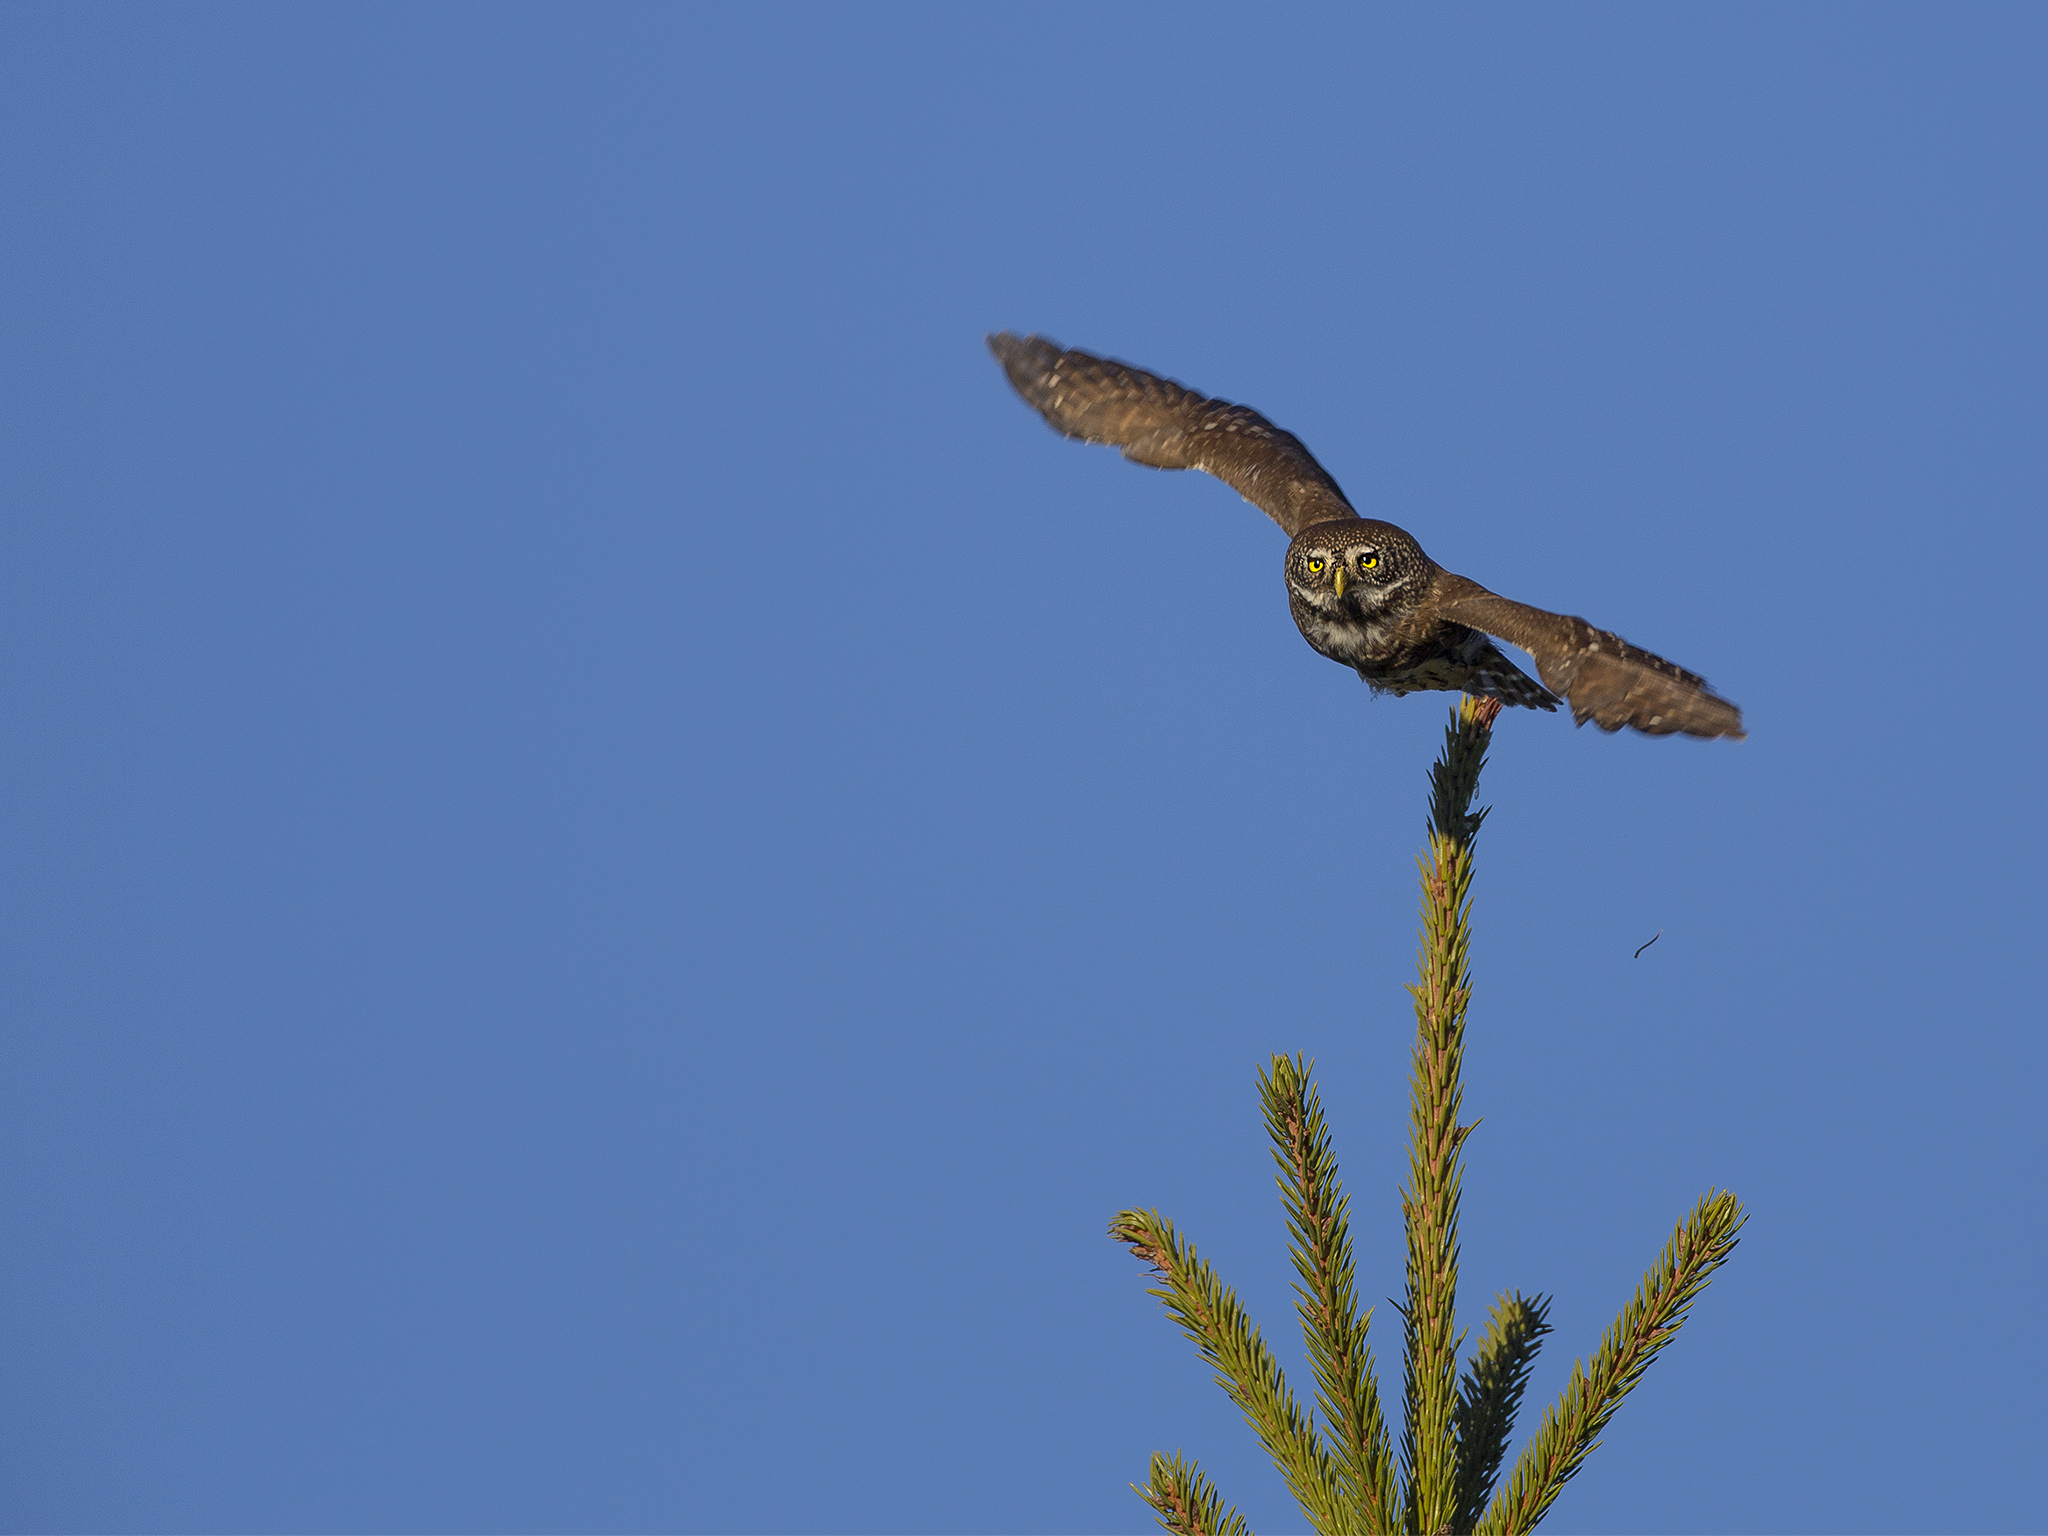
1362,591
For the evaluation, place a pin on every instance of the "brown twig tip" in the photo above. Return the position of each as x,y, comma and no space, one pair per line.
1172,1506
1186,1502
1485,712
1145,1248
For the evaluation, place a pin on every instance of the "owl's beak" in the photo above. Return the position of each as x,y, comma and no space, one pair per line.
1339,579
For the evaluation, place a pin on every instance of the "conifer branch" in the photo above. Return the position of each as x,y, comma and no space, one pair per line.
1571,1427
1209,1313
1454,1436
1430,1202
1186,1501
1319,1232
1491,1395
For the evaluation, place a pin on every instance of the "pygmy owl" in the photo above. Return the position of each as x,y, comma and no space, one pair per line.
1362,591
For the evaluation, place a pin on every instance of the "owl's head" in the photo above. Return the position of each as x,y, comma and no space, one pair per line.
1361,564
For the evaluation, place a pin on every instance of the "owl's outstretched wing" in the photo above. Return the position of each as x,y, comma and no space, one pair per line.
1606,680
1157,422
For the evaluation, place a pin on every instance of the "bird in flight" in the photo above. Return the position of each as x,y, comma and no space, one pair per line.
1362,591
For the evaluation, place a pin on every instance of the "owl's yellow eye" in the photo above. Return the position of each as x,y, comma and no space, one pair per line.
1368,561
1316,564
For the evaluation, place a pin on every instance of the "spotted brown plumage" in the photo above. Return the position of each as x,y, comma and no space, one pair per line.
1166,426
1362,591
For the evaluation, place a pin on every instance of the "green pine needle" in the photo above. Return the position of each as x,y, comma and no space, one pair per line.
1571,1427
1429,1446
1210,1314
1491,1394
1318,1226
1186,1501
1454,777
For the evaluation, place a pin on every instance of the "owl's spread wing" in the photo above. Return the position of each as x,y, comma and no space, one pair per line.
1157,422
1607,680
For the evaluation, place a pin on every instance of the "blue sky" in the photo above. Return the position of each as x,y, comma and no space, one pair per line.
615,859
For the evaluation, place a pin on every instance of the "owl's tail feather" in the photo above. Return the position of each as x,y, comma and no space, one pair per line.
1495,677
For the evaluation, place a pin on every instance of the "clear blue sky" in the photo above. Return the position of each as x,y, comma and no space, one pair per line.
614,860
